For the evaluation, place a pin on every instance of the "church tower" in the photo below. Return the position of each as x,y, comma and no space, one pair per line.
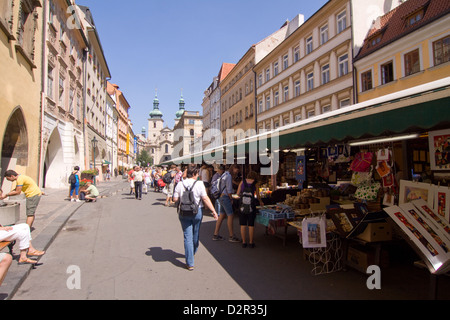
180,111
155,122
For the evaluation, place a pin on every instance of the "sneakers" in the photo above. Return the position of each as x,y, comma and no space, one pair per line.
217,238
233,239
230,239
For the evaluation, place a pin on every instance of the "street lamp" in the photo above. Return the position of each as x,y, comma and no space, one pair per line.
94,145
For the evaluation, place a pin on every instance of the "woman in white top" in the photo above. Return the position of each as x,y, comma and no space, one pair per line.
191,223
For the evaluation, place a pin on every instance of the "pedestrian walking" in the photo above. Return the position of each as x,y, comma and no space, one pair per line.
224,204
190,222
138,177
131,180
74,180
29,187
247,209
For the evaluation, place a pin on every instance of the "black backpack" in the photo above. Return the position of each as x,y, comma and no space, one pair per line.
167,178
187,205
247,201
72,179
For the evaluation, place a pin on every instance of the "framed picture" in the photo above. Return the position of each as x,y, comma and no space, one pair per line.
314,232
439,143
430,214
442,202
420,236
410,191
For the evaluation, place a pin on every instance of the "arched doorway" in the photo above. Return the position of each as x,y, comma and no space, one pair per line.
15,143
54,168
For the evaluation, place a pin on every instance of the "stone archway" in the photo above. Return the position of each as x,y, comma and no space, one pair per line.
14,154
54,168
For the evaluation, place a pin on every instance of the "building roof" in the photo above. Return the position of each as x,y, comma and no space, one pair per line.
225,70
396,23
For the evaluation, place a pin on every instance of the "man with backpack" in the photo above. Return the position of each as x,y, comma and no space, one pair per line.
224,203
192,196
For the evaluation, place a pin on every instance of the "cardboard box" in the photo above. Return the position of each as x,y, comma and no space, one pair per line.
359,259
376,231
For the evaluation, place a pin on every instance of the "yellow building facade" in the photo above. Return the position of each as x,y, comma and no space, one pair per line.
406,48
20,86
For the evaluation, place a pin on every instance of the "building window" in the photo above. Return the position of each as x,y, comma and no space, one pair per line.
341,22
311,113
298,117
71,99
166,148
286,94
296,54
344,103
267,103
387,72
412,62
326,108
325,74
275,69
267,75
285,62
343,65
50,82
309,45
310,81
27,26
260,80
441,50
260,106
61,91
297,88
324,34
415,17
366,80
275,99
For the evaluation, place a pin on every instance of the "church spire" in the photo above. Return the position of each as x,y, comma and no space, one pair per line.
181,104
156,113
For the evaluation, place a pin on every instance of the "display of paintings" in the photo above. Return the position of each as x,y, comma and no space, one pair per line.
410,191
440,223
442,202
430,242
315,235
345,220
439,143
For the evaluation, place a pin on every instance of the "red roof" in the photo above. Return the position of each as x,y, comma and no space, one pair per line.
395,24
225,70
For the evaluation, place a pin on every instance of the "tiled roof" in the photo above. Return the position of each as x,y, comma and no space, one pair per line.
225,70
394,24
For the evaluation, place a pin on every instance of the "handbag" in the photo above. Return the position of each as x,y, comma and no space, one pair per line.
368,192
362,162
362,178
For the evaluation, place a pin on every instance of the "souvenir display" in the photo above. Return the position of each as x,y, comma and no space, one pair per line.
314,232
442,202
410,191
439,144
362,162
430,244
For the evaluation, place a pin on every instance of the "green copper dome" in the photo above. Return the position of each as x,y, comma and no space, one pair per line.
180,111
156,113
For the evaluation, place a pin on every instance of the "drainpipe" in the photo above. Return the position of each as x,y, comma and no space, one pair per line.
86,140
44,70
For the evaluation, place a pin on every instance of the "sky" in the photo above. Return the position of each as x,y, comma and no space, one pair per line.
178,46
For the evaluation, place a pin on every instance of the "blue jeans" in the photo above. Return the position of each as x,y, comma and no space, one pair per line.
191,231
74,187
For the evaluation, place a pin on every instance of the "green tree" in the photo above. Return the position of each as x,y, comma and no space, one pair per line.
144,158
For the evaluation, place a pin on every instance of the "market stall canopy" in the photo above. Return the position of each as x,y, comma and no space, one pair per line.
418,109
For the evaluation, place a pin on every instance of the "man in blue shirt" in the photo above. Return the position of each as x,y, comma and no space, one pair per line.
224,205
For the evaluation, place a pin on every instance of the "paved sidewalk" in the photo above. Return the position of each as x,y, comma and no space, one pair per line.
54,210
